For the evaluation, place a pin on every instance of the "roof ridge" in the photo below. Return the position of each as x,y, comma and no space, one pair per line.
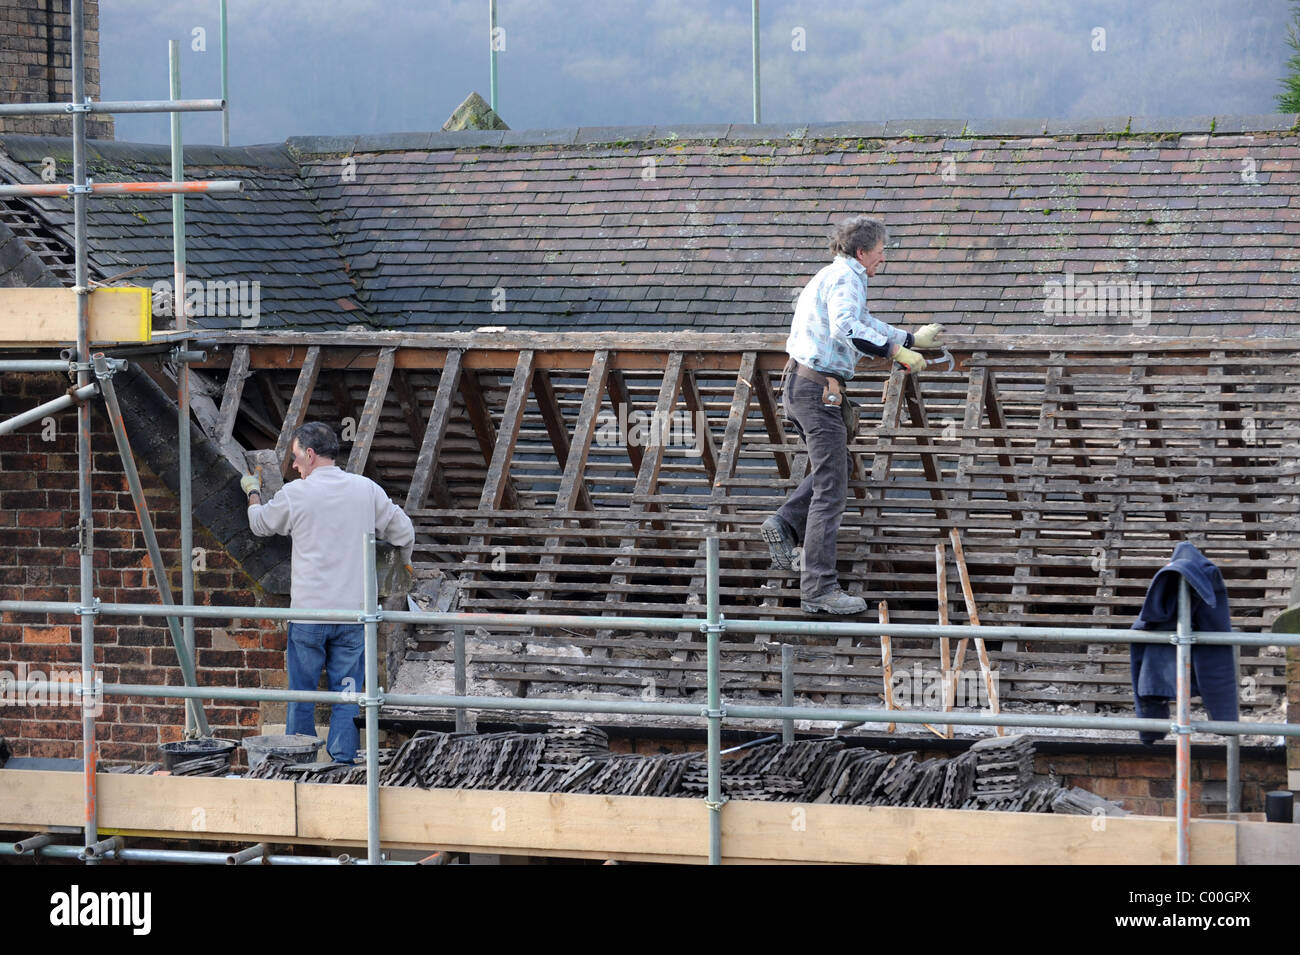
746,132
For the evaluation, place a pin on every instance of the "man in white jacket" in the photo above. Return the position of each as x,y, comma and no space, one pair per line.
327,513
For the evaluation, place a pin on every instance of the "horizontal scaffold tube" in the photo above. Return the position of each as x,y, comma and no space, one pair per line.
116,106
669,624
125,188
641,708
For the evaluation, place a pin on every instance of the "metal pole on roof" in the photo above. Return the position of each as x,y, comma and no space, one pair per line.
192,728
758,114
225,80
492,54
86,523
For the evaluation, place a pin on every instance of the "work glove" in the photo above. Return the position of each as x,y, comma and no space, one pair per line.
250,483
909,359
927,335
404,554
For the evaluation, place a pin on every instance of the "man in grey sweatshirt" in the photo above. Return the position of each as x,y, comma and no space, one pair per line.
326,514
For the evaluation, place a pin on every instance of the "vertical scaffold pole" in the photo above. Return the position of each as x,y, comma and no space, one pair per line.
714,628
372,701
1182,787
85,535
787,690
225,78
182,377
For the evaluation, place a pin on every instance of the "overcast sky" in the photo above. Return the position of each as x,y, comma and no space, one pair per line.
310,67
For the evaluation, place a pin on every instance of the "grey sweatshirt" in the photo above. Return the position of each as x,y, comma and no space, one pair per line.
326,514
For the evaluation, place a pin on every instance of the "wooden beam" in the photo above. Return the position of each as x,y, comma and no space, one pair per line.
620,397
426,462
599,826
372,412
232,395
296,413
511,418
338,382
35,316
699,414
549,407
485,431
767,404
572,488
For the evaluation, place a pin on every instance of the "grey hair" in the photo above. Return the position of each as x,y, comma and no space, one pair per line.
859,233
319,437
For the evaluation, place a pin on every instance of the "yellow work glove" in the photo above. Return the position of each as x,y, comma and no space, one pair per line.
909,359
250,484
927,335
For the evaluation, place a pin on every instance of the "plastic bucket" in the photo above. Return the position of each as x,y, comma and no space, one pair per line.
295,746
186,749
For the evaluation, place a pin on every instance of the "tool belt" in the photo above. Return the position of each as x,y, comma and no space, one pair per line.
834,394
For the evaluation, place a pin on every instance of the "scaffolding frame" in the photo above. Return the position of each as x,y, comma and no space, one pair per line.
713,625
80,362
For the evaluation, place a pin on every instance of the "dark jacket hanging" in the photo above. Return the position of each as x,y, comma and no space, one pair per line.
1155,677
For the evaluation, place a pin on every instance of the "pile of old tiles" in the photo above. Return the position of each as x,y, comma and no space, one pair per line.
993,774
283,767
1004,768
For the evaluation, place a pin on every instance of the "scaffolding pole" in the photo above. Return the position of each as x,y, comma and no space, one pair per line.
225,78
104,373
373,698
713,628
113,106
76,397
1183,727
192,728
85,522
37,189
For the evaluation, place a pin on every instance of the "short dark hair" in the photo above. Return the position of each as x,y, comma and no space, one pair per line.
858,233
319,437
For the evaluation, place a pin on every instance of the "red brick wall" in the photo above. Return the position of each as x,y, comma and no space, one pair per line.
28,28
39,561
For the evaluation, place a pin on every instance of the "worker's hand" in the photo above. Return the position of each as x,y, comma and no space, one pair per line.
909,359
250,484
405,556
927,335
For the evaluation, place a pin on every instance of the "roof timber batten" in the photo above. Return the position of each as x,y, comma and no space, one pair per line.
1069,468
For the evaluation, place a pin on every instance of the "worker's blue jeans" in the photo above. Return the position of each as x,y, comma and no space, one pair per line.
340,649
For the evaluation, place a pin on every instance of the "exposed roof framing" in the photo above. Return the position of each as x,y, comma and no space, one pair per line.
1068,467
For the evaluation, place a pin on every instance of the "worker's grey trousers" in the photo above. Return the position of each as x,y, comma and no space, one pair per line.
814,509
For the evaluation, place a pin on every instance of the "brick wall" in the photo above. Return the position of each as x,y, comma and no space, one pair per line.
1141,781
36,64
39,561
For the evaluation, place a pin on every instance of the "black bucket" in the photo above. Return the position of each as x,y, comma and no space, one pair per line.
186,749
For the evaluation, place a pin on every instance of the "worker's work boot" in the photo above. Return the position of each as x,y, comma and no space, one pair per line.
780,542
834,601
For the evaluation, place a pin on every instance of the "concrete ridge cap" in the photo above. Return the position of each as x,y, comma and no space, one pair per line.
795,131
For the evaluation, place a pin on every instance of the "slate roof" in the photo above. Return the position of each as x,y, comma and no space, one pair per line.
716,228
272,232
